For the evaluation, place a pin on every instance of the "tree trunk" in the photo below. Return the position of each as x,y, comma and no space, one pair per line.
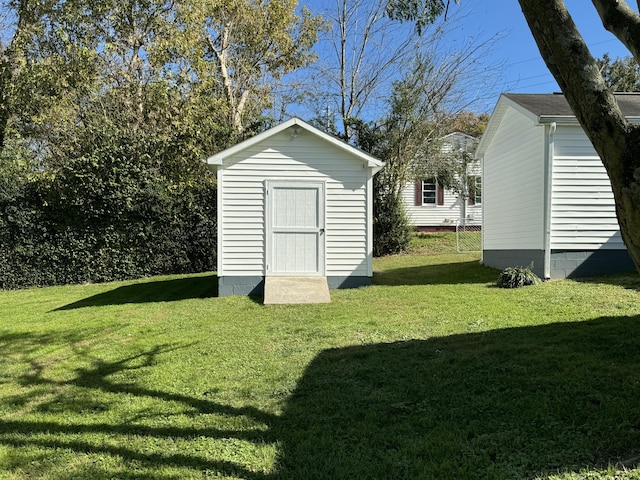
595,106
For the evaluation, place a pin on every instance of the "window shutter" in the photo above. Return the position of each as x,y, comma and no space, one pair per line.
418,194
440,194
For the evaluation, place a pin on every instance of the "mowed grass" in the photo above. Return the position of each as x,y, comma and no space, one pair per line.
430,373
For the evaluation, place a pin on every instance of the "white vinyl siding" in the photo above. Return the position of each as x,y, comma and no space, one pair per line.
447,214
583,213
432,215
513,185
287,157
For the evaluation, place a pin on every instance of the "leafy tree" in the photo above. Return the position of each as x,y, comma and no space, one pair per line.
621,74
616,140
408,140
243,48
421,12
391,229
35,53
469,122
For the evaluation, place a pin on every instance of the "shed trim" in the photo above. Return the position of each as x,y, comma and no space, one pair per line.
369,160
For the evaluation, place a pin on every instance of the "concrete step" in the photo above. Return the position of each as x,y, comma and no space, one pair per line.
289,290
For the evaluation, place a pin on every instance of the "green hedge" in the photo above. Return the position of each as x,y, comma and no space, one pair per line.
109,215
391,229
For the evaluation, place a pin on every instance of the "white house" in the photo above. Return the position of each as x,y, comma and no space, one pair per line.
547,198
430,207
293,201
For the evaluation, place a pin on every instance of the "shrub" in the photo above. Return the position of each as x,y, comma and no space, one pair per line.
111,214
516,277
391,229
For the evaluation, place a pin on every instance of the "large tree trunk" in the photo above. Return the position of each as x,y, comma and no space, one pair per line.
614,139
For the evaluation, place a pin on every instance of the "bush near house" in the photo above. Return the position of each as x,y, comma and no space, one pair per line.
516,277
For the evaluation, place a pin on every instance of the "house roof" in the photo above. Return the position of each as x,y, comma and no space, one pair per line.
555,104
294,123
459,134
547,108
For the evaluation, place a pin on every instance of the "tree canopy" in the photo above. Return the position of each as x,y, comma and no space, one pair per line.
621,74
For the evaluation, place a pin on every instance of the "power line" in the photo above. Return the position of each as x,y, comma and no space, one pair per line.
540,58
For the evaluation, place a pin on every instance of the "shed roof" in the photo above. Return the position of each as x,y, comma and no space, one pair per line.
546,108
369,160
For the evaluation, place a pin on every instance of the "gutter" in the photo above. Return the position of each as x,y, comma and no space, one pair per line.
548,187
572,120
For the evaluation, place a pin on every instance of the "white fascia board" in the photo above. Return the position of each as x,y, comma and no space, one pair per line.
504,103
559,120
492,127
572,120
369,161
219,157
459,134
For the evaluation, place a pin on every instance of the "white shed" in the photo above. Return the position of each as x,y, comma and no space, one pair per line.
293,201
547,198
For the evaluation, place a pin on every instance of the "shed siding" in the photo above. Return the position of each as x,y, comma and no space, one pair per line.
583,213
284,157
513,186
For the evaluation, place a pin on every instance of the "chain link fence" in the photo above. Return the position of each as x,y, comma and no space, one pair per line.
468,237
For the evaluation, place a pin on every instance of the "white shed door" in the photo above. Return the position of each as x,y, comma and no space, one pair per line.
295,228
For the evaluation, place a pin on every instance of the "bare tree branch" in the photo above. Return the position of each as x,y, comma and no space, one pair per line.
622,21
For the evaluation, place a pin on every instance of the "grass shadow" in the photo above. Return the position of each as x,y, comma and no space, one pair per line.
503,404
630,281
438,274
514,403
80,436
203,286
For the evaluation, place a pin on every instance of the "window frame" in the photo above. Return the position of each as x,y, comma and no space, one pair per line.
434,191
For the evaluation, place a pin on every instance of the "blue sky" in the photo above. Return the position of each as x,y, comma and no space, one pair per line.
524,70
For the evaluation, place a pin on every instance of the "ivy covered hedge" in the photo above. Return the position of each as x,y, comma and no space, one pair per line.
113,214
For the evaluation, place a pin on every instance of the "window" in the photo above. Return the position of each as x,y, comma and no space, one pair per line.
428,193
475,197
429,190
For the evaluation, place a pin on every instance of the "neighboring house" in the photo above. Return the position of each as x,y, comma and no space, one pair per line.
293,201
547,199
430,207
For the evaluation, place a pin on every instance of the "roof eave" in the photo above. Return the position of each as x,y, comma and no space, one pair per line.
572,120
217,160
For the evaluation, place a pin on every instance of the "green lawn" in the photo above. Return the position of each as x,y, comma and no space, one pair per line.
431,373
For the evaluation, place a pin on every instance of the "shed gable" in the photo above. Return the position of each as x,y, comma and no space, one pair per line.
294,154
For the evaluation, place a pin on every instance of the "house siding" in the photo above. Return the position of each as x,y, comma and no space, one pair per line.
447,214
513,186
437,215
286,157
583,213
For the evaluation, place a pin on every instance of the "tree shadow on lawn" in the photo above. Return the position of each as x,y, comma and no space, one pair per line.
68,435
440,274
511,403
630,281
204,286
